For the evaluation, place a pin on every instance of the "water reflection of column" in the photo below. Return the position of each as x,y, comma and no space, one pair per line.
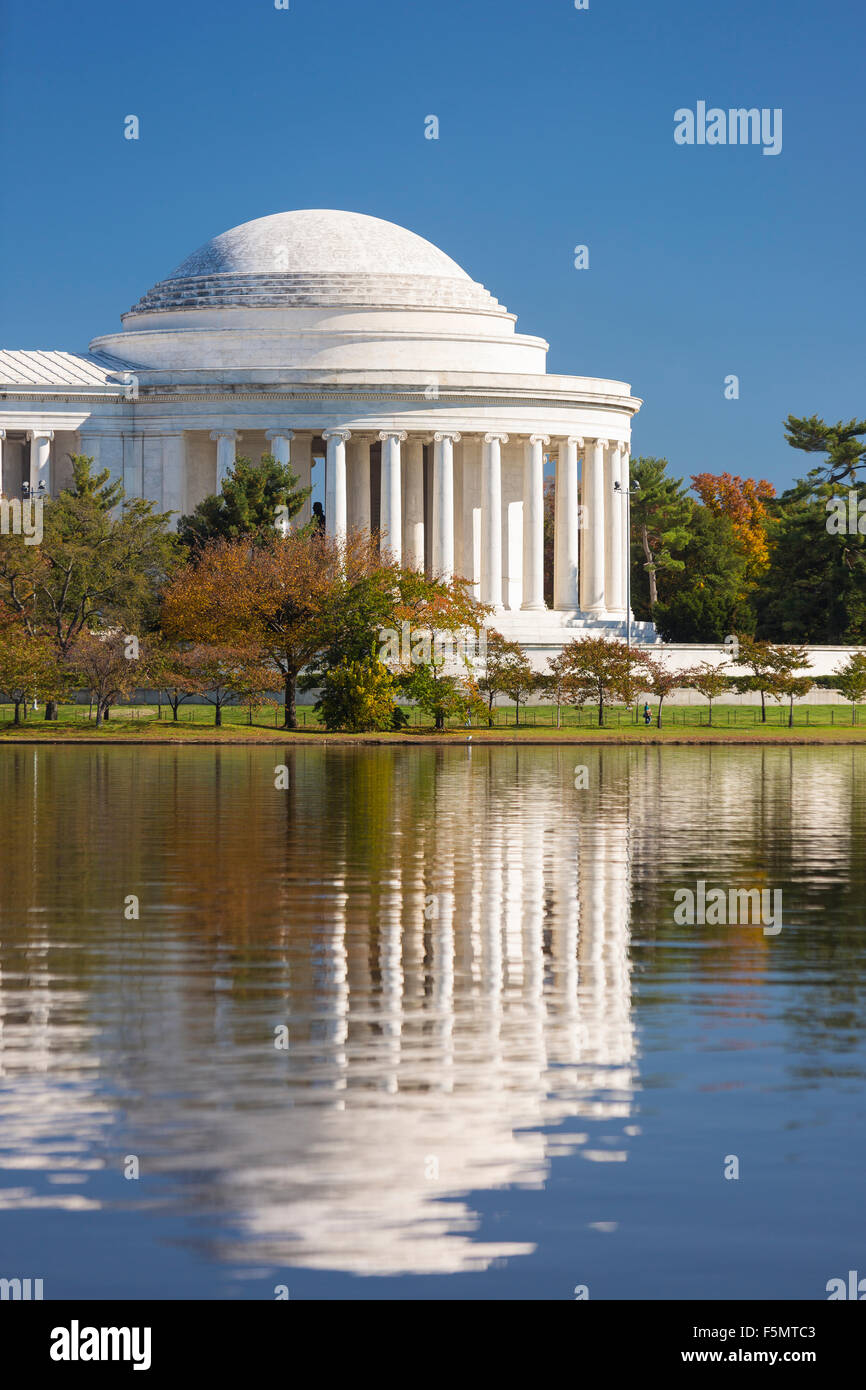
443,953
604,962
568,910
414,919
532,851
391,975
335,1000
491,946
512,916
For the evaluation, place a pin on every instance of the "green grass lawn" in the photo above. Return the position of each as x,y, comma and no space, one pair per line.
679,722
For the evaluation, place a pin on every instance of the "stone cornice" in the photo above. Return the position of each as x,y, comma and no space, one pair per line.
154,396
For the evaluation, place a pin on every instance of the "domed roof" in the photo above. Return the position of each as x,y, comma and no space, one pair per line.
315,257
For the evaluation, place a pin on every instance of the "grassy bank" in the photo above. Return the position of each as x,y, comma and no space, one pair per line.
680,724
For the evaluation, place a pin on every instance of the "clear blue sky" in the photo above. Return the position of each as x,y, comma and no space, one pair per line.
556,130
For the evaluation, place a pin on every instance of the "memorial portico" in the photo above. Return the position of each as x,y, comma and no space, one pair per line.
366,359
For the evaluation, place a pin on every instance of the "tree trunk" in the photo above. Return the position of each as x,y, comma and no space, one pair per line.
98,714
17,719
763,708
601,711
107,712
175,710
290,716
791,713
650,568
50,709
853,715
559,716
711,713
219,715
659,715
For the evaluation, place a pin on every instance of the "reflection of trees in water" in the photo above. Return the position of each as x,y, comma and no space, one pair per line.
446,935
789,818
445,931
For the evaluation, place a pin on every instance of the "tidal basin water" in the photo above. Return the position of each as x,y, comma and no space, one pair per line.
509,1071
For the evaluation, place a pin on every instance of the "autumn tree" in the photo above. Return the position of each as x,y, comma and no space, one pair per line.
556,684
171,672
444,623
708,680
28,666
519,681
850,681
268,598
599,670
101,563
501,659
787,686
109,665
745,502
225,674
770,667
660,682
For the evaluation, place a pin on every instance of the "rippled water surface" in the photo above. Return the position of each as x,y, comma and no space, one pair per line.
508,1070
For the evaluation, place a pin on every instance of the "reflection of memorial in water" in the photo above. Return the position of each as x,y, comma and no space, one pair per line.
465,995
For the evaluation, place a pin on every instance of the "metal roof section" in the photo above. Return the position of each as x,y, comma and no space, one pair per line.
50,371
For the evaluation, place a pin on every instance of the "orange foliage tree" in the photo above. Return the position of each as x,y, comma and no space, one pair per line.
278,602
744,502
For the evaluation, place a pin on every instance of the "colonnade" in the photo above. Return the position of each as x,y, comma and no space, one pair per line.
590,524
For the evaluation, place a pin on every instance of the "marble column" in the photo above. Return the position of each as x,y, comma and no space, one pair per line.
281,449
413,519
226,442
566,590
391,495
358,484
173,472
281,445
614,505
443,503
592,569
40,462
302,464
335,482
469,563
533,522
491,519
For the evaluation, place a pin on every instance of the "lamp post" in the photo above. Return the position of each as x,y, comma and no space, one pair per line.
628,493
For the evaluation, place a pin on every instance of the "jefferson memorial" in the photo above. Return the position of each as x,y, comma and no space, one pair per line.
335,337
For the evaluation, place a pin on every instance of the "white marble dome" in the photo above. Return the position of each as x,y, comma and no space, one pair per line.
317,258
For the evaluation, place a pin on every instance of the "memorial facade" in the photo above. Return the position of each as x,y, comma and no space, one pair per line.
341,342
